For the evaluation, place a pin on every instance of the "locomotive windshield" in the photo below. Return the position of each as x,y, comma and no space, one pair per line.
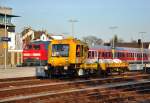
32,47
60,50
28,47
36,47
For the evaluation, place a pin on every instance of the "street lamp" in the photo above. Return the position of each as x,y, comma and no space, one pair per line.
142,50
113,41
72,21
5,43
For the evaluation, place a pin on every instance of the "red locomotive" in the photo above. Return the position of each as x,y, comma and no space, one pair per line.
35,53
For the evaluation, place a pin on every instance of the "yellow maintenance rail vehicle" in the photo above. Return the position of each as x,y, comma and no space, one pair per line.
69,57
104,68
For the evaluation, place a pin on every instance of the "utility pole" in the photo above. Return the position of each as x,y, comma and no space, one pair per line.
142,49
72,21
113,41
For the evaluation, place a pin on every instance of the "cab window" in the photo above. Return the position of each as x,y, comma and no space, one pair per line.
79,50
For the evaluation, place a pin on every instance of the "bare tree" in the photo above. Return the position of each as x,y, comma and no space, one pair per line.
116,39
92,40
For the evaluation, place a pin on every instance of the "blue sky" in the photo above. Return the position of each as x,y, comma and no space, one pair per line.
94,17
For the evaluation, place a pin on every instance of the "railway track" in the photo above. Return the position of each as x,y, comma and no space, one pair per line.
102,93
39,83
57,91
15,82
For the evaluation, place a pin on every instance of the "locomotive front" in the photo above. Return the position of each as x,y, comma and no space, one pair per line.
65,56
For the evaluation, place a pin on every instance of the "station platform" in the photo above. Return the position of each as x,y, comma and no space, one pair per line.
18,72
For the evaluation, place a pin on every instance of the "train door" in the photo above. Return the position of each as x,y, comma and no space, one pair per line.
79,50
79,54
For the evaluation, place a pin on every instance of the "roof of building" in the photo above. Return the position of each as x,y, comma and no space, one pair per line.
117,48
9,15
37,34
131,44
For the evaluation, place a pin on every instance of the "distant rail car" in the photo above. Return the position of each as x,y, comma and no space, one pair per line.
130,55
35,53
73,57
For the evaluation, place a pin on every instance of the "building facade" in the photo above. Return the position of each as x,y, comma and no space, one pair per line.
7,29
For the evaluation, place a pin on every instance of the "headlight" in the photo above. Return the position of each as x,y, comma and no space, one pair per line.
45,68
65,67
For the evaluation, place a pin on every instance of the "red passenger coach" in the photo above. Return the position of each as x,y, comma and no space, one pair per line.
130,55
35,53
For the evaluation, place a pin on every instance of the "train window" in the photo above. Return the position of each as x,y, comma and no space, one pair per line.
89,54
116,54
138,55
131,54
61,50
103,54
145,56
92,54
36,47
127,54
135,54
109,54
99,54
106,54
120,55
95,52
123,54
28,47
79,50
